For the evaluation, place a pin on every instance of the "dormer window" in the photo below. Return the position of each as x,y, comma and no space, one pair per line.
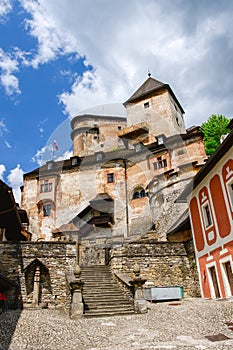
138,147
50,165
160,140
99,156
146,105
74,161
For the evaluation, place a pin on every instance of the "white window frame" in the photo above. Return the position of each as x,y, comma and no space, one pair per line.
226,284
229,185
203,206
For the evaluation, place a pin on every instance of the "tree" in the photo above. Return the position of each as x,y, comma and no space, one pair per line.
213,129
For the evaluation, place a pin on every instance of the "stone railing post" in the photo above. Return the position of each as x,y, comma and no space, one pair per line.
76,288
140,304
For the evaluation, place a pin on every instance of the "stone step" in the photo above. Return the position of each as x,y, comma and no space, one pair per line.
109,308
100,297
107,302
108,313
105,296
98,287
99,283
101,293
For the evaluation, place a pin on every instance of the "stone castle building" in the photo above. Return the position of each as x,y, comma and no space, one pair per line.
110,207
123,177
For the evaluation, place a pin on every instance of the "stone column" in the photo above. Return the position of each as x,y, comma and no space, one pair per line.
77,307
36,287
76,288
140,304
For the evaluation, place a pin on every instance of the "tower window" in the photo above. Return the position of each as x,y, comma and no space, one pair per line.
139,193
146,105
119,127
110,178
46,186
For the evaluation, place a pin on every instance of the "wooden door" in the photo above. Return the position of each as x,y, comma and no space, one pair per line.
229,275
215,281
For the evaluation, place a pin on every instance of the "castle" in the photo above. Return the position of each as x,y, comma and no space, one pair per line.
124,176
110,207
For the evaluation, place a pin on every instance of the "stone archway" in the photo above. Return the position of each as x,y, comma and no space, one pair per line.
38,283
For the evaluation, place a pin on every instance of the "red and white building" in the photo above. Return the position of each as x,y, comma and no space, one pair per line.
210,197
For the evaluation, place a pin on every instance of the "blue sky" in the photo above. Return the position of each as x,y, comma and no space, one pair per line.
60,57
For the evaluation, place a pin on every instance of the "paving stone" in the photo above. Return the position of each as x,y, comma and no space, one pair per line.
164,327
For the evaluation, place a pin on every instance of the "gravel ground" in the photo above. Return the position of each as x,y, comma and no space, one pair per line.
180,325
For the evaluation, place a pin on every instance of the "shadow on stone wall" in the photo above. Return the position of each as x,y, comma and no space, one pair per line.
11,264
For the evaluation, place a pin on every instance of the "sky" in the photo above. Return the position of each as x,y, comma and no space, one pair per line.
59,58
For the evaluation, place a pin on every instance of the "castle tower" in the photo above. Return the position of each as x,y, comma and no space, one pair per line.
155,106
96,133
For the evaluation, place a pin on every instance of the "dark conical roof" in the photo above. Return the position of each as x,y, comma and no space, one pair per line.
149,87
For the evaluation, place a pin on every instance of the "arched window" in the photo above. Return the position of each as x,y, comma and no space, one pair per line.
45,207
139,193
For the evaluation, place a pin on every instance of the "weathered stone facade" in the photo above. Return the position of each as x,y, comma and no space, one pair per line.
161,263
141,167
18,265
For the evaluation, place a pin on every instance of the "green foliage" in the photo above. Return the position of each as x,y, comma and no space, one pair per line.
213,129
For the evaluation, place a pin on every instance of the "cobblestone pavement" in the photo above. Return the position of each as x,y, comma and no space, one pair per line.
180,325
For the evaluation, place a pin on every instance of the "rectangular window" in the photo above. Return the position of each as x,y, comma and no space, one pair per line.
110,178
161,163
207,215
230,190
146,105
74,161
47,209
46,186
119,127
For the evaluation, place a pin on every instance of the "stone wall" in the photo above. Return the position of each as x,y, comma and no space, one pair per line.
18,263
162,263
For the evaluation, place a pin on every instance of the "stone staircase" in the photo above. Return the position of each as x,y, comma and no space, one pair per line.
102,294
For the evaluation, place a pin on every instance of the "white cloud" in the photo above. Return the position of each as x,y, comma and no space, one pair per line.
5,8
122,40
8,66
15,180
2,171
186,44
7,144
42,155
52,40
3,127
